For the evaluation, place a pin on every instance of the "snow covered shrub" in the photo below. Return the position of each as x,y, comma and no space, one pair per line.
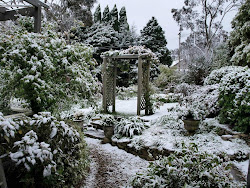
234,85
203,102
129,127
46,71
168,76
41,151
221,56
171,122
187,168
173,97
198,69
108,121
125,93
185,89
234,99
215,76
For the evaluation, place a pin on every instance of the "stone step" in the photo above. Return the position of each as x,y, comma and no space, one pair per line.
94,133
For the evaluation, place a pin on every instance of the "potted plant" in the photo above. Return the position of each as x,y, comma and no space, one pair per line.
190,123
108,123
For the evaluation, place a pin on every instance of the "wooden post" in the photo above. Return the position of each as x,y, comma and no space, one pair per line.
139,86
37,19
104,85
114,86
3,183
147,109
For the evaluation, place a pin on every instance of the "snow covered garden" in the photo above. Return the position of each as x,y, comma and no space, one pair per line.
102,106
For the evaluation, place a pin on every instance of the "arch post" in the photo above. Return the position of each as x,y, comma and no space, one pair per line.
139,86
147,94
114,86
104,85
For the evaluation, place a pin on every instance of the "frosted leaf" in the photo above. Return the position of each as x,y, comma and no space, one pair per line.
53,132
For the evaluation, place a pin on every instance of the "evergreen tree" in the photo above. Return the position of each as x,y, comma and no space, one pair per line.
152,37
123,19
106,15
114,18
98,14
239,40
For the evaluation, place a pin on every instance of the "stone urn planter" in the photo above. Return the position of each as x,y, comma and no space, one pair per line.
78,122
191,125
108,133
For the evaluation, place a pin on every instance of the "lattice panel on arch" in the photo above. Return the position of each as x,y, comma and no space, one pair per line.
145,83
110,86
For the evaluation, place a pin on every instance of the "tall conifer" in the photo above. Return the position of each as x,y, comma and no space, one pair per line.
114,18
152,36
123,19
106,15
98,14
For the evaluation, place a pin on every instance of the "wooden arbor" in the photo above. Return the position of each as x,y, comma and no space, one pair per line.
109,82
32,9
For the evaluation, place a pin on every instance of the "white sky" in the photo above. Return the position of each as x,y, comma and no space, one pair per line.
139,12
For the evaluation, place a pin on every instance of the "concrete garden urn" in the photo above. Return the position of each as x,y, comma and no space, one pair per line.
108,133
191,125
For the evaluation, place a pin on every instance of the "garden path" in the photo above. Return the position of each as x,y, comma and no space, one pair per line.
111,167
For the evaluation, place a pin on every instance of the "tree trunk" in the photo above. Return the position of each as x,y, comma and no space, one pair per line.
248,175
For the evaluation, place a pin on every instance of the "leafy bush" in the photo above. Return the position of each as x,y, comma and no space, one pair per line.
234,85
215,76
125,93
108,121
234,99
199,101
41,152
45,71
198,69
187,168
173,97
167,76
185,89
203,102
129,127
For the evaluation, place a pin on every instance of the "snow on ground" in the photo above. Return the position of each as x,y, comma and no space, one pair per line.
129,107
110,166
243,166
169,135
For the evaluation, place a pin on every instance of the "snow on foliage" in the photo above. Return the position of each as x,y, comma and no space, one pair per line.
234,97
168,132
129,127
187,168
9,127
134,50
199,101
239,37
43,143
29,151
45,70
215,76
203,102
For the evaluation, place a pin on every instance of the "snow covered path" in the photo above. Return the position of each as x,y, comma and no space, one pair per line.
111,167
